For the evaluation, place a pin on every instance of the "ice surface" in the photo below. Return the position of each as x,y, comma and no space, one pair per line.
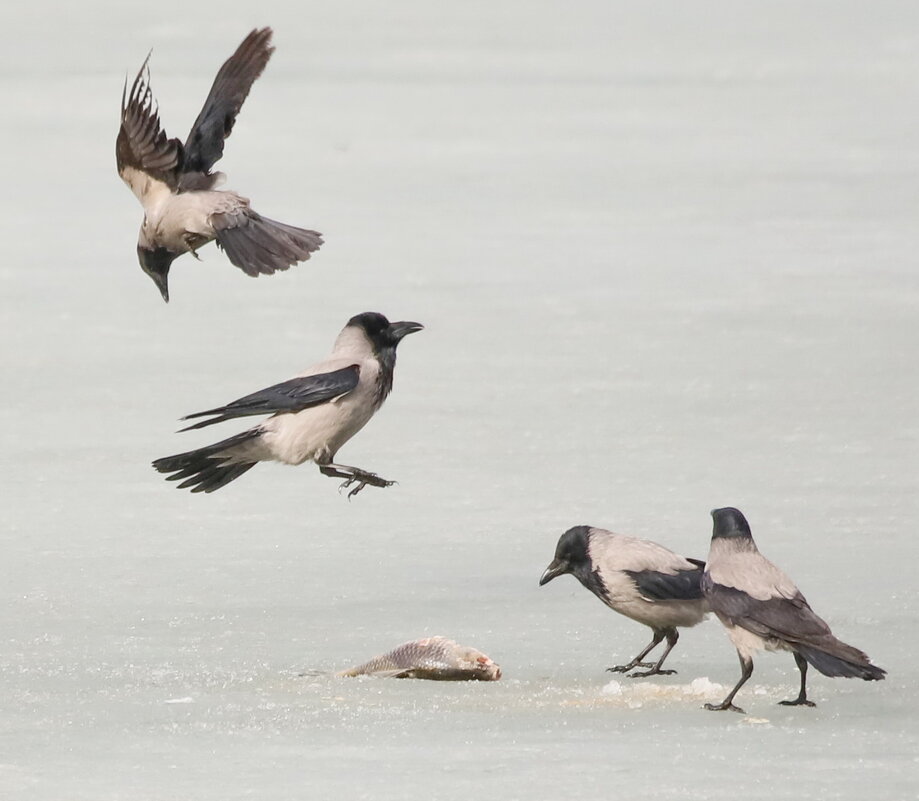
666,256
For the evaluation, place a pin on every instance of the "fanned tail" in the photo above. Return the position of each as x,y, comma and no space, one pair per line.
209,468
259,246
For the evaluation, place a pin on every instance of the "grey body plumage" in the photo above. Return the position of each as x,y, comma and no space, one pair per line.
637,578
761,608
183,209
312,415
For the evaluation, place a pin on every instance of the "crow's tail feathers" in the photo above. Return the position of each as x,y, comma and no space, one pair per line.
209,468
259,246
837,659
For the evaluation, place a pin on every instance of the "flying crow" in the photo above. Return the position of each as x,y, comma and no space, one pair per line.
183,210
762,609
637,578
312,415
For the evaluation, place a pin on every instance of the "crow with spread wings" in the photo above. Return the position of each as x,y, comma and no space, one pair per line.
173,181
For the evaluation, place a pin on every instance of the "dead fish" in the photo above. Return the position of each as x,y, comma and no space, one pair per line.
434,658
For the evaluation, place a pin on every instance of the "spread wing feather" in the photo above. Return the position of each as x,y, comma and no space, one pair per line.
204,145
142,145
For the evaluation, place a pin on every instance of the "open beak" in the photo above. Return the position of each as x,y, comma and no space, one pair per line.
404,328
557,568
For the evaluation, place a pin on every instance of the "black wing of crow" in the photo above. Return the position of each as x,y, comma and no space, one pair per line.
684,585
142,144
204,145
288,396
789,619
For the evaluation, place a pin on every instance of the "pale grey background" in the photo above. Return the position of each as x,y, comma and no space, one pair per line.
666,256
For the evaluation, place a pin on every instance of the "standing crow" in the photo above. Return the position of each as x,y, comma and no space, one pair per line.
637,578
762,609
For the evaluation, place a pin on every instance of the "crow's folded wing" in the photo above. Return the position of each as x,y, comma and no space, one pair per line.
680,585
788,619
289,396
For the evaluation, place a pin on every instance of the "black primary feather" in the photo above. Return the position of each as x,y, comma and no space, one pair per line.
789,619
685,585
792,621
204,145
288,396
142,143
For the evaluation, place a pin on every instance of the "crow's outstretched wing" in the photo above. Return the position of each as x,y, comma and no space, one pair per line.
142,149
289,396
204,145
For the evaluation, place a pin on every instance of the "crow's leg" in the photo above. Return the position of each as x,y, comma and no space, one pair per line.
636,662
354,475
672,637
801,700
746,670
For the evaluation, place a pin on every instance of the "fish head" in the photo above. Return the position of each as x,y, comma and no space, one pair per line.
479,666
486,669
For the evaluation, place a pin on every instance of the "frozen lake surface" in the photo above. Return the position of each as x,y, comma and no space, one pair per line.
666,255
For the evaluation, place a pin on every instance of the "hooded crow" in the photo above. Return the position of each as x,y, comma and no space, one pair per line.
183,210
312,415
637,578
762,609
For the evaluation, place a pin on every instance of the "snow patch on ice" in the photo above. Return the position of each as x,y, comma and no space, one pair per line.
635,694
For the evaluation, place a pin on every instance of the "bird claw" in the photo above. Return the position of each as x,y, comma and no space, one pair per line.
362,479
797,702
628,667
723,707
652,672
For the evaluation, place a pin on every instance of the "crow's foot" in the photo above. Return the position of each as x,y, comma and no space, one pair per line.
724,706
655,671
797,702
362,479
353,475
628,667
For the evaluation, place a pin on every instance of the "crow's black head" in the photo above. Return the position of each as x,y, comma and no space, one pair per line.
571,555
156,262
730,522
382,333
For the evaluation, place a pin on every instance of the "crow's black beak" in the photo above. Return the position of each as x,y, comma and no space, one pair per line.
557,568
156,262
403,329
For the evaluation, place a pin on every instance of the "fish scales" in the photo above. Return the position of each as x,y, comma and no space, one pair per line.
432,658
